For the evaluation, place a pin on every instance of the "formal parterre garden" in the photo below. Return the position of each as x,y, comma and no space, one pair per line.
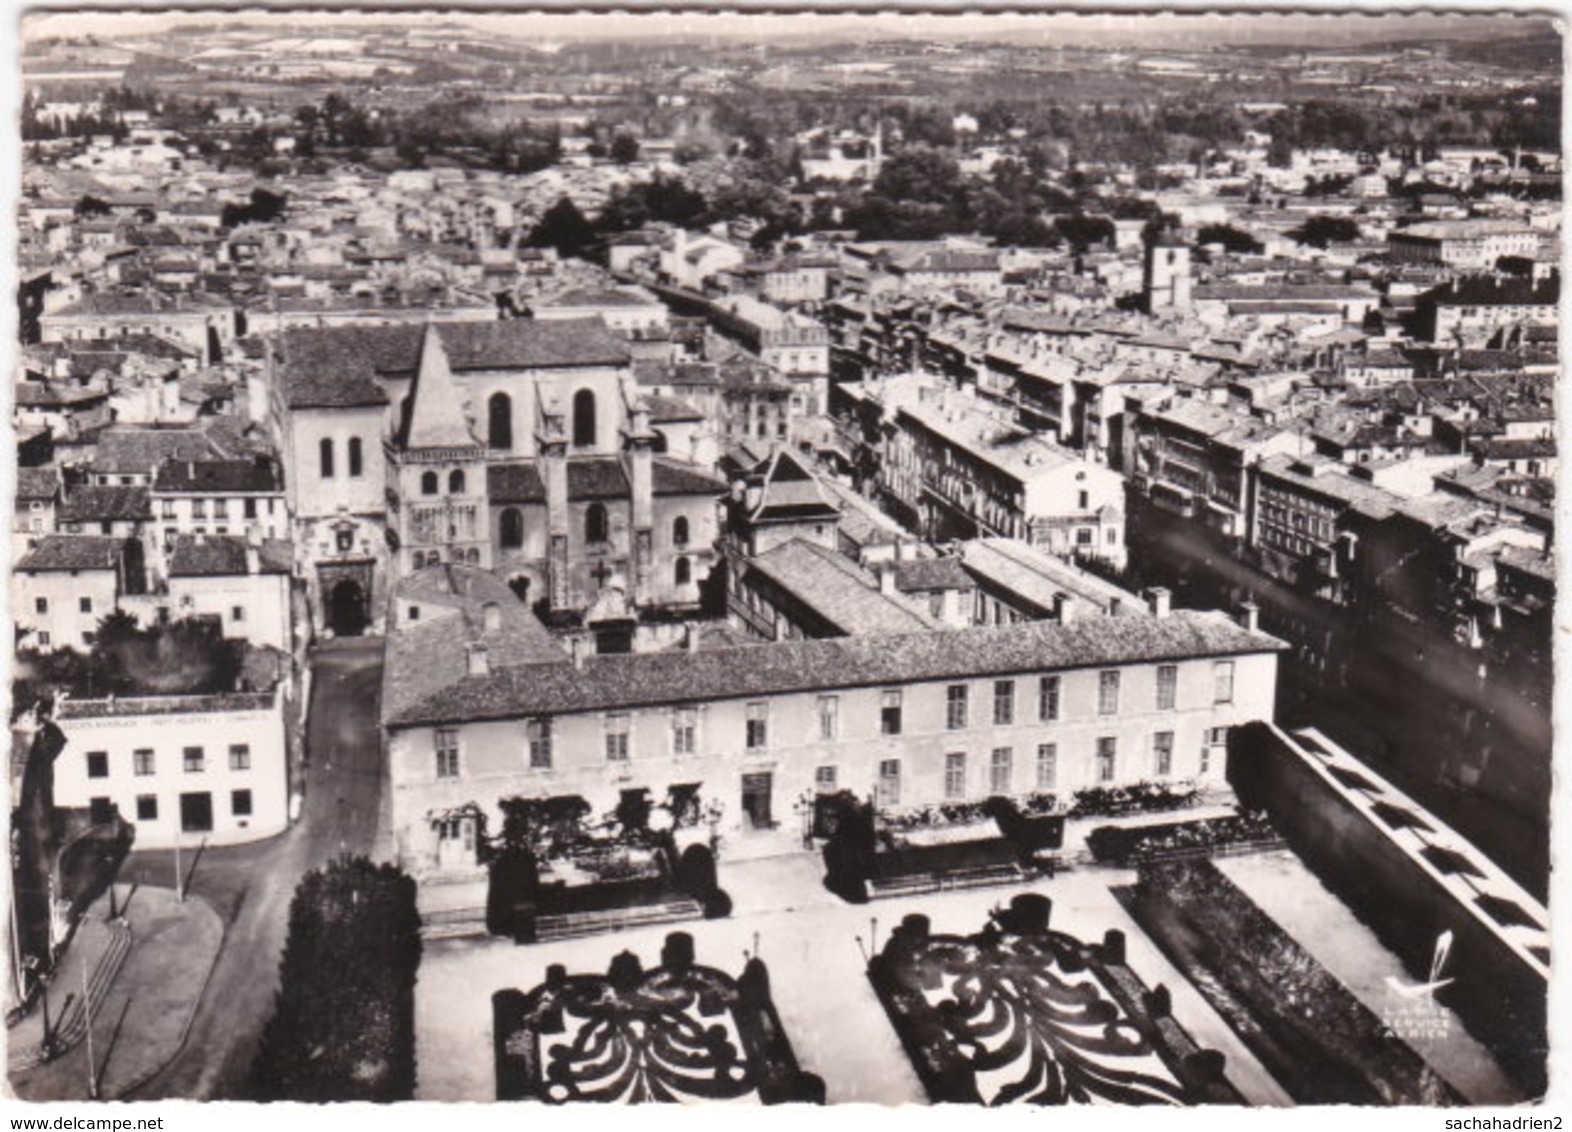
676,1033
1020,1013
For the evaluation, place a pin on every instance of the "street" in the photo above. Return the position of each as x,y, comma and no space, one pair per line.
251,885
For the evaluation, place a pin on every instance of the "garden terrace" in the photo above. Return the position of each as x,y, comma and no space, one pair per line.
936,868
635,876
1412,879
586,909
1019,1013
862,861
678,1033
1321,1043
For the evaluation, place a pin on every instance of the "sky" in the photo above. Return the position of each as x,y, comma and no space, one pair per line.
1113,27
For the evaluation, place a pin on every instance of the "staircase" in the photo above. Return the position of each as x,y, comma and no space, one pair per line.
572,925
71,1027
915,884
73,1024
453,923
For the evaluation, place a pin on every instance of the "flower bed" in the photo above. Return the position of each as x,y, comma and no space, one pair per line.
862,859
1140,798
1123,845
1094,801
1321,1043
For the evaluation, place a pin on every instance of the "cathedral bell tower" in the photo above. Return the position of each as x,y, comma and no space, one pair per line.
437,472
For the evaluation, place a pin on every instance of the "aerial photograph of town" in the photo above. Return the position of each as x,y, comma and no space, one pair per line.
809,558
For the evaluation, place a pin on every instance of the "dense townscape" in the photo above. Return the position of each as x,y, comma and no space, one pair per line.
494,507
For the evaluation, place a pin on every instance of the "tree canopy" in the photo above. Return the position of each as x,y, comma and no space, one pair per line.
1232,239
1320,231
564,227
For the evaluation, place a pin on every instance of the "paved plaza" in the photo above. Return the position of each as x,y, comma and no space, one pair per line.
145,993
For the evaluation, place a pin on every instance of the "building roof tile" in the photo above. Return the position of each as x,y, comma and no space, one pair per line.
37,483
514,483
124,449
176,477
337,367
836,589
96,503
72,552
649,679
214,556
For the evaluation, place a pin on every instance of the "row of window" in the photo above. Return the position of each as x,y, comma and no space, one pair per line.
147,808
199,507
617,726
499,420
1001,765
144,761
83,605
431,482
597,526
327,462
1045,767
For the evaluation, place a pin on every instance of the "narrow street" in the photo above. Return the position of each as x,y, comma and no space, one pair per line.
251,885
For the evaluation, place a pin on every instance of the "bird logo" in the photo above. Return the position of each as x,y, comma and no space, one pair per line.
1435,983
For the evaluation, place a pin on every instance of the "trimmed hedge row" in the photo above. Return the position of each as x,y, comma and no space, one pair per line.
343,1027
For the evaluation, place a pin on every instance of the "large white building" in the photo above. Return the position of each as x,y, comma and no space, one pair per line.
184,768
479,706
1466,244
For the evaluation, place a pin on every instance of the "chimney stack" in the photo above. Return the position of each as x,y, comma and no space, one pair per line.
253,559
1161,599
690,636
886,576
1114,605
1063,608
1250,616
576,651
479,659
491,614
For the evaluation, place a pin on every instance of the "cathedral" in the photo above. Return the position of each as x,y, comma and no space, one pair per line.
521,447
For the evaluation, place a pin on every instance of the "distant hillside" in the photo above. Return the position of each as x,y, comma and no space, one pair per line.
1540,49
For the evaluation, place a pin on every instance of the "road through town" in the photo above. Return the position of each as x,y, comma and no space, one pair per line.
251,885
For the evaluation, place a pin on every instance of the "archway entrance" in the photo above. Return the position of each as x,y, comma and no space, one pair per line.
346,611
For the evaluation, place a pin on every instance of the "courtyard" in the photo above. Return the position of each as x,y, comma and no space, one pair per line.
816,947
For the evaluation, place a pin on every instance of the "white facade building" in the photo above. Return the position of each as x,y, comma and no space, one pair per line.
184,768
